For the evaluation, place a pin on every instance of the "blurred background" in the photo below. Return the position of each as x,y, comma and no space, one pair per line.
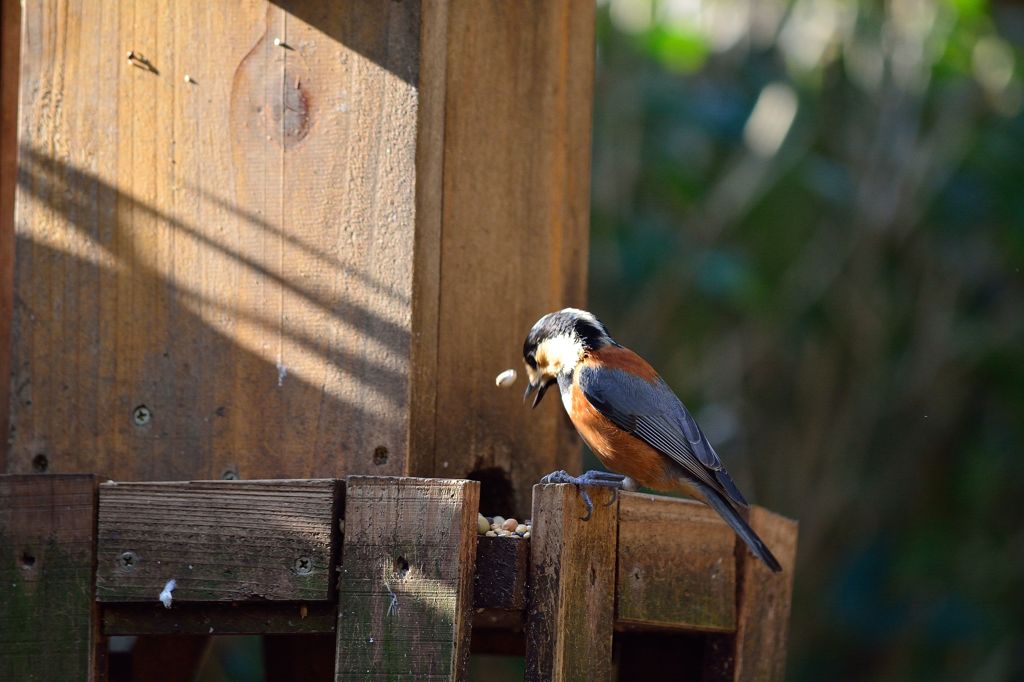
809,216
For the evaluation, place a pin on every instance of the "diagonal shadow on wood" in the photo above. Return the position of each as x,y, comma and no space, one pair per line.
107,321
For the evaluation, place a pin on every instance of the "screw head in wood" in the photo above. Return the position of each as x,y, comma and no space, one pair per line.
141,415
303,565
128,560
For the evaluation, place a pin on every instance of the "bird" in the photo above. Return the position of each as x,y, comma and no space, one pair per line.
630,418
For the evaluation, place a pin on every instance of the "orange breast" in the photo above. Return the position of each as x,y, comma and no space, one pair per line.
618,450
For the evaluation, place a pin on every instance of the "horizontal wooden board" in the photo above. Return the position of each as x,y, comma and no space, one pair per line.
219,540
235,618
676,565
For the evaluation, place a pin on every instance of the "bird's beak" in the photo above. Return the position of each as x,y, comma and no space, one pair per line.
539,388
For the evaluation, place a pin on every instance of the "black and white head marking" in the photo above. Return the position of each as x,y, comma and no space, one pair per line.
557,343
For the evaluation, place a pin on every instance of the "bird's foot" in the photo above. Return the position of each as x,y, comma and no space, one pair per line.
601,479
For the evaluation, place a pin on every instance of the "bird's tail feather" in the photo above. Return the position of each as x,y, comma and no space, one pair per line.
739,524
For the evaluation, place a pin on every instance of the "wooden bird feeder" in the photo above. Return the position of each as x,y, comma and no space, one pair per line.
265,269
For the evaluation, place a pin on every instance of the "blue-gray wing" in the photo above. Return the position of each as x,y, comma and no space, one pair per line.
652,412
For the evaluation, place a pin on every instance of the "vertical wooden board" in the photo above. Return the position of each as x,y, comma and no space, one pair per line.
234,252
515,228
676,565
763,601
406,589
572,591
48,625
219,541
500,580
10,46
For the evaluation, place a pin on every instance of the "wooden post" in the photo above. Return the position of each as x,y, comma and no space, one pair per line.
763,601
283,261
572,568
48,624
406,591
10,47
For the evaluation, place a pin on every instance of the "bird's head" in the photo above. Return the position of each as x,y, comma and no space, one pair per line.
556,344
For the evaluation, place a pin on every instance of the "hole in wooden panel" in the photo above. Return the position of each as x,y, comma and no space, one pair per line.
401,567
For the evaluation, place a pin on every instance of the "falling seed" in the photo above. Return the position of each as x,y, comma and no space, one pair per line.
506,378
188,78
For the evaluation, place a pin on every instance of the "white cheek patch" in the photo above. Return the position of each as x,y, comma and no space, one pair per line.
561,352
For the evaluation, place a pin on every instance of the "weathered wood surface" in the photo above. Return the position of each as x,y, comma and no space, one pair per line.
572,582
48,626
676,567
501,573
239,618
406,589
244,273
235,253
516,224
763,601
10,46
219,540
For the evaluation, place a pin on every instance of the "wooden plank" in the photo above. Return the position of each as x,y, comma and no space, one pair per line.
405,594
572,573
48,626
764,601
219,540
236,618
501,568
676,565
516,207
10,46
236,253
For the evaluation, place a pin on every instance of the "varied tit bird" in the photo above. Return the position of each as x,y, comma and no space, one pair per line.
629,417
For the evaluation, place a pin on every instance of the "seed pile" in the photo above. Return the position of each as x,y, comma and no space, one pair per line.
499,526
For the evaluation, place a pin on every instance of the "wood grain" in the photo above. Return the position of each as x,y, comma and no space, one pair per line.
48,624
501,573
228,618
406,589
763,601
236,253
676,565
572,573
515,231
10,47
220,541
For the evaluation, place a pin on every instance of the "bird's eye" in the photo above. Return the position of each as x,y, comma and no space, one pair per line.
531,360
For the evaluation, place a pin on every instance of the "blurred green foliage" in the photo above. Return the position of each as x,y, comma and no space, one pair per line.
809,216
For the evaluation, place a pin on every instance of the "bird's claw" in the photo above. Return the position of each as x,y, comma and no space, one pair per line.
601,479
